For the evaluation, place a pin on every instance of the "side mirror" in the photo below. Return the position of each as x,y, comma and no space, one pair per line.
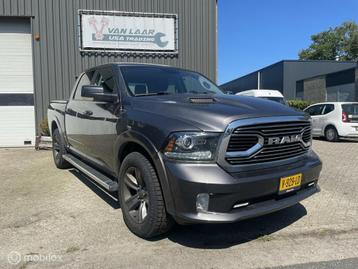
98,93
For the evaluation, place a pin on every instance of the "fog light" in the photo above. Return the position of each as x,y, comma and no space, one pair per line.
202,202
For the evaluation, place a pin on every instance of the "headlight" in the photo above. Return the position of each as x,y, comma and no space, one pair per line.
192,146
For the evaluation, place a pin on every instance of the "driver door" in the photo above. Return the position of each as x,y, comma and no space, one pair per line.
100,132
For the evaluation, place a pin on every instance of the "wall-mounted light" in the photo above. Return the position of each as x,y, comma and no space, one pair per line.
37,37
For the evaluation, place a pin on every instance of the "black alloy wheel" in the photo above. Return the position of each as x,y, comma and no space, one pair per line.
135,195
141,198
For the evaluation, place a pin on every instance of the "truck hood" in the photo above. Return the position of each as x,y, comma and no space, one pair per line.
210,112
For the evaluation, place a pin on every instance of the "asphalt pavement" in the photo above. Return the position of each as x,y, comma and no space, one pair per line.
53,218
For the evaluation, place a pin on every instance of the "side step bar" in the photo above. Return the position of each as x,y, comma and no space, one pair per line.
98,177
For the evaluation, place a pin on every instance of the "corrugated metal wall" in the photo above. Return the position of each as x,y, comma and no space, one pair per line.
271,77
299,70
57,59
241,84
283,75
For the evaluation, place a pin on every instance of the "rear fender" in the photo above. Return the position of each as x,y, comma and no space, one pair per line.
58,117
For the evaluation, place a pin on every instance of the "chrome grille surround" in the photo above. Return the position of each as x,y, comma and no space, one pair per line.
262,155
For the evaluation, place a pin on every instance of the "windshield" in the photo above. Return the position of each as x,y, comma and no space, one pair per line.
276,99
149,80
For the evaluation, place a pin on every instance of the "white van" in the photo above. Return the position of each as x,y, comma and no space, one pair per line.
272,95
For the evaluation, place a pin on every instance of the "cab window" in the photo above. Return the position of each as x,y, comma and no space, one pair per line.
84,80
104,78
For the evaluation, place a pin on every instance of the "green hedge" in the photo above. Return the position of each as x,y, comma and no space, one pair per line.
299,104
45,131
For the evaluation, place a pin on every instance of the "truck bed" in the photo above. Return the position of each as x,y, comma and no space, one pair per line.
56,113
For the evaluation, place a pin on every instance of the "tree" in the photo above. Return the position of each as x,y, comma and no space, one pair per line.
339,43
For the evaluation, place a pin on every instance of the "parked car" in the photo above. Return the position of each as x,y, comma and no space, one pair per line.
272,95
334,120
173,147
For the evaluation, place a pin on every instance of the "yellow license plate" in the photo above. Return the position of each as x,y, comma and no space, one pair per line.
290,183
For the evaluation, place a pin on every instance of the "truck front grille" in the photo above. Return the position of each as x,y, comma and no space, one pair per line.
279,141
241,142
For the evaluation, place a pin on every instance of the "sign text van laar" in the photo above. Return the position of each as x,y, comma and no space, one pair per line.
130,31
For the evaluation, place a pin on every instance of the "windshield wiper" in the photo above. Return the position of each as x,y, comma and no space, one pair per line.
152,93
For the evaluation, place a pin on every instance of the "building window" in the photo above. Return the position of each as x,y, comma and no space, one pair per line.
340,78
341,93
299,90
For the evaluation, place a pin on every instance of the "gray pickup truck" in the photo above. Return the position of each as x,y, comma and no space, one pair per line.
173,148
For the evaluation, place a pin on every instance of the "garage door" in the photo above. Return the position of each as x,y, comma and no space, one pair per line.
17,116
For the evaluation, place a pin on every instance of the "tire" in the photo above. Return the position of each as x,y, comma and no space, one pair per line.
141,198
331,134
58,150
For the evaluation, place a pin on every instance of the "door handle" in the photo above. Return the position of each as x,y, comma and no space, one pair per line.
88,113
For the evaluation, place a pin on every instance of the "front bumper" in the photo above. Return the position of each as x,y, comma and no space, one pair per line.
257,187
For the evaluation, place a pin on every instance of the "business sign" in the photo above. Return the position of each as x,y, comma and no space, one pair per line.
119,31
